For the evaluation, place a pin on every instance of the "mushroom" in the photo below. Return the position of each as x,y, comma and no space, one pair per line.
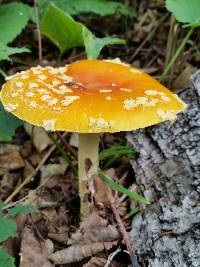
89,97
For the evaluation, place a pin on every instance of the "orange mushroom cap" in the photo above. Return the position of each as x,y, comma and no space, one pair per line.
89,96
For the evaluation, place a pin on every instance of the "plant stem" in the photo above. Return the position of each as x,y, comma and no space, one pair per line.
88,149
38,31
3,73
125,237
178,51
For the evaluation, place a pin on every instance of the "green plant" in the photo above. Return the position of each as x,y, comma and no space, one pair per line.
185,12
13,19
8,228
122,189
67,33
112,154
8,124
6,51
101,7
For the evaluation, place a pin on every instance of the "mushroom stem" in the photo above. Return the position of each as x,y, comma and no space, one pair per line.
88,149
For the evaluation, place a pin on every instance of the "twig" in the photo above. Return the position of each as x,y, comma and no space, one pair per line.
31,176
38,31
111,257
170,39
13,204
178,51
125,236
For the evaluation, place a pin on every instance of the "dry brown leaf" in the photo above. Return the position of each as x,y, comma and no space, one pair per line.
40,138
77,253
35,158
95,262
184,79
103,193
94,229
10,158
34,253
8,183
52,169
59,237
28,169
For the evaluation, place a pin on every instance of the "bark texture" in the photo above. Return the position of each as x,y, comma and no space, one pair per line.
167,234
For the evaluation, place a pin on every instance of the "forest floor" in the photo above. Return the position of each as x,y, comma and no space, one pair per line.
152,38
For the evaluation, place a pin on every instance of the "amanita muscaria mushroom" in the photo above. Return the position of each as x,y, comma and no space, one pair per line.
89,97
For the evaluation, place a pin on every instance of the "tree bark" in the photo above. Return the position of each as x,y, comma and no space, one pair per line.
167,172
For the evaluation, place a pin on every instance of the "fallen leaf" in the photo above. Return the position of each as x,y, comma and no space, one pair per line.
184,79
94,229
102,192
59,237
40,138
33,252
52,170
77,253
35,158
10,158
28,169
7,184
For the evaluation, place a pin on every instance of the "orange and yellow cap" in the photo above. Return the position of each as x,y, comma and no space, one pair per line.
89,96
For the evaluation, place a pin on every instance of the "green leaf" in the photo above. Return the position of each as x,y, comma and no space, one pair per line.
8,124
76,7
22,210
5,259
6,51
114,153
131,213
185,11
122,189
13,19
118,151
2,205
94,45
7,229
61,29
67,33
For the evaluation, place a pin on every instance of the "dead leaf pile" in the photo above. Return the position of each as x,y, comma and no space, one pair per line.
10,160
94,236
33,252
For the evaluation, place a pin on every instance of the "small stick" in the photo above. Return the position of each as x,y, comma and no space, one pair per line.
32,175
125,236
38,31
22,200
